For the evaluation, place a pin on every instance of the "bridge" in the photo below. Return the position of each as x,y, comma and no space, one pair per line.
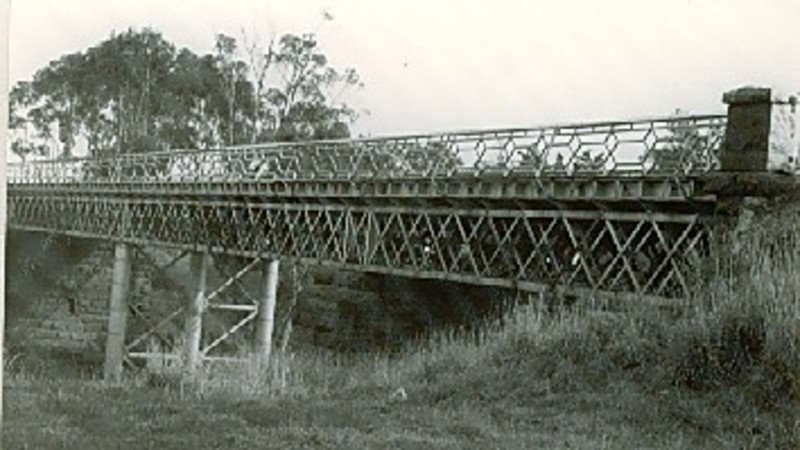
611,210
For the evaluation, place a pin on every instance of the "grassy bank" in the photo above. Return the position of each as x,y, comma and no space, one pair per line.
722,373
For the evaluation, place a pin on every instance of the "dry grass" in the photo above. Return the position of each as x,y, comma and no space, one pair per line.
722,374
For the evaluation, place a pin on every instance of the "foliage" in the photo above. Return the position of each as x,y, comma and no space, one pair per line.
683,148
299,103
20,96
586,160
137,92
435,157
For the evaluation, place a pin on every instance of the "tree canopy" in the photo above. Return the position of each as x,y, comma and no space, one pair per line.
684,146
138,92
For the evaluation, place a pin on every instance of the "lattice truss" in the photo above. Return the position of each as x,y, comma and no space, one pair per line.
589,252
674,146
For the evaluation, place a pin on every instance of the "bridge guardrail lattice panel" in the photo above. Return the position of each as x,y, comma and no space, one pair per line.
673,146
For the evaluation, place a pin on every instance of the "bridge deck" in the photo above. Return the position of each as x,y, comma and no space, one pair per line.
514,187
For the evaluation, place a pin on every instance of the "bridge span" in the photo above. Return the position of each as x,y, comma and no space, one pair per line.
623,209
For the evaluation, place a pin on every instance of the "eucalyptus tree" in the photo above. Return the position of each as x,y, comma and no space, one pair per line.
115,95
297,93
137,92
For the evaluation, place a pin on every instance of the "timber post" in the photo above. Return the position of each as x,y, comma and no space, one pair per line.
118,313
193,327
265,320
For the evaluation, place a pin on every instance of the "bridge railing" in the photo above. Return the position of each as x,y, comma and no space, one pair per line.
672,146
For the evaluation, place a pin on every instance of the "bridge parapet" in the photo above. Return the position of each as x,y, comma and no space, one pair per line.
674,146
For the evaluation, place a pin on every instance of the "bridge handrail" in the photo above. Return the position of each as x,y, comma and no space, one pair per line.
659,146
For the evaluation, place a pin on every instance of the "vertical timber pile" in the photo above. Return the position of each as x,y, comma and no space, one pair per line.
265,321
194,314
118,313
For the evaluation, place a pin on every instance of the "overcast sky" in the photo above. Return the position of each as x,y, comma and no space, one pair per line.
434,65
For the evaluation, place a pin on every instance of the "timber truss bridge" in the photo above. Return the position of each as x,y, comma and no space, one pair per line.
622,209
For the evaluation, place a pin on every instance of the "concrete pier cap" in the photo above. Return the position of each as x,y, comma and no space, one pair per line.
762,131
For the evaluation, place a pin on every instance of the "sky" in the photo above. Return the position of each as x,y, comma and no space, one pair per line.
438,65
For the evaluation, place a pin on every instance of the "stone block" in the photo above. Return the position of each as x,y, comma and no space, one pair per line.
65,335
762,132
747,95
783,138
45,334
95,328
78,336
88,317
50,324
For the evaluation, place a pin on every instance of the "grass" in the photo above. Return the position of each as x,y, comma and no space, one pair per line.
721,374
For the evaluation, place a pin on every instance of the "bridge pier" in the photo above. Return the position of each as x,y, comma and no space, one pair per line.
117,314
193,325
265,321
